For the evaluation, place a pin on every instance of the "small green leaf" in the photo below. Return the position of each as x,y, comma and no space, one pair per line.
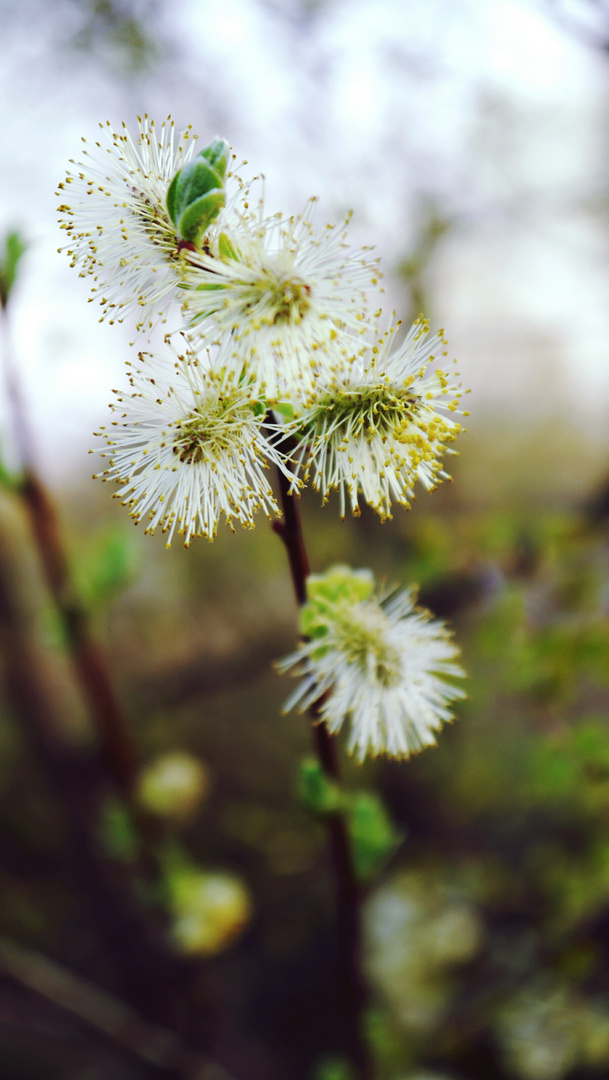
318,794
117,833
14,247
218,155
197,217
372,833
333,1068
225,247
107,566
284,409
196,179
172,198
196,194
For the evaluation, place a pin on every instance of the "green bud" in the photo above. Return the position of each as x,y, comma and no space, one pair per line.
318,794
373,836
196,194
209,909
198,216
173,786
218,155
325,591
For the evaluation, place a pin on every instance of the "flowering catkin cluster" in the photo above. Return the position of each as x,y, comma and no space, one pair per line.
277,358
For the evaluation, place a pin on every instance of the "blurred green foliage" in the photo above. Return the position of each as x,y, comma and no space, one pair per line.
485,861
14,247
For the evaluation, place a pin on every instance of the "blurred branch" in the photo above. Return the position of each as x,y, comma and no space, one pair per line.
86,657
107,1014
89,665
151,973
433,227
354,990
126,27
594,36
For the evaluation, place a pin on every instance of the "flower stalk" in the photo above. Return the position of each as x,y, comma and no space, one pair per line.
354,992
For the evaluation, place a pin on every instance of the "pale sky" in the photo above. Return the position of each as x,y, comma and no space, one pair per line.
486,106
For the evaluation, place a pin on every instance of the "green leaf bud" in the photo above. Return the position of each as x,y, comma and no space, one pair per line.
372,833
318,793
196,194
325,591
218,155
197,217
209,909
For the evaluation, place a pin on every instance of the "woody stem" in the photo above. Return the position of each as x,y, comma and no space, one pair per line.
348,894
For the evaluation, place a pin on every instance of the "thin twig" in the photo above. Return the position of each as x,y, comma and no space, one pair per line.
348,919
105,1013
86,656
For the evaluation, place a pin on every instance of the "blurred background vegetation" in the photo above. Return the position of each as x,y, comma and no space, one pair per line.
184,919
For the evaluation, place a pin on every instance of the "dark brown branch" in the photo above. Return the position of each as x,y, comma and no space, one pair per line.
104,1013
290,531
348,899
152,977
89,665
86,656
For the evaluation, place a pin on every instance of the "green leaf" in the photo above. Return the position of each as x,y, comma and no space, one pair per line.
14,247
333,1068
196,179
196,194
338,585
285,409
372,833
197,217
318,793
172,198
107,566
218,155
117,833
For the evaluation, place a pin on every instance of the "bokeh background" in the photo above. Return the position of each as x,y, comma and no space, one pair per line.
470,140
